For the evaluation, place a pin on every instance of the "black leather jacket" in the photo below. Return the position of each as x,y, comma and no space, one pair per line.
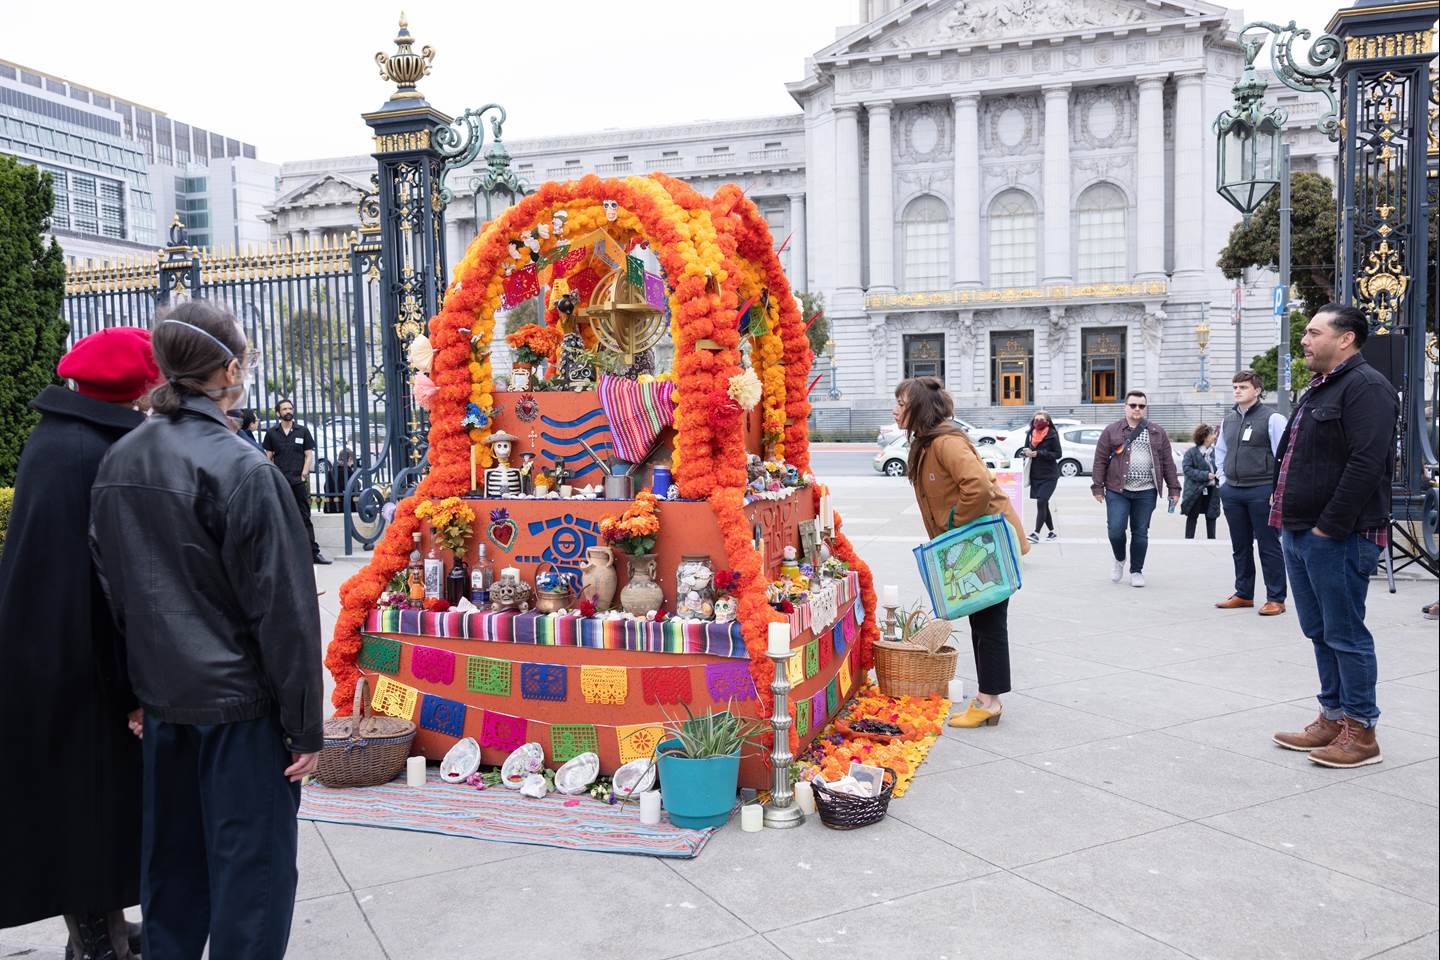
207,568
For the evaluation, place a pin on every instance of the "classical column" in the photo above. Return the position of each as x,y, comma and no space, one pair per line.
1057,183
1150,186
799,278
1191,128
847,205
967,189
882,200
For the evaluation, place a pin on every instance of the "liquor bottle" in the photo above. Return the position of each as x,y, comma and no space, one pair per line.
434,572
480,580
415,571
457,581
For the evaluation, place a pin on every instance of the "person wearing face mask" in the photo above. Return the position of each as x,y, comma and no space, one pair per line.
1042,449
209,580
72,844
291,448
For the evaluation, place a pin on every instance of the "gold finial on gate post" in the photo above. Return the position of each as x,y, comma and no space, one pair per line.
405,67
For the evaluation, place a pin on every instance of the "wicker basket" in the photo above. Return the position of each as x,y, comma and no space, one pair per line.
363,750
550,601
841,811
920,665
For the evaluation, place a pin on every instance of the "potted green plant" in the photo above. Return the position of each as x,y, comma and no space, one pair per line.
700,765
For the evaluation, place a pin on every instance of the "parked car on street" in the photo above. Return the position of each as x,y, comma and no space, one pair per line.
891,460
1077,447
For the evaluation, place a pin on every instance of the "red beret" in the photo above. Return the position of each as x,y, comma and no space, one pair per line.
115,364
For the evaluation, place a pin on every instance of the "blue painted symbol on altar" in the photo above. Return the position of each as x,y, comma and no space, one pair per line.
570,537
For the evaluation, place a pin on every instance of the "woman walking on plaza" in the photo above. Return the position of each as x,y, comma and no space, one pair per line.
953,486
72,803
1042,449
1201,496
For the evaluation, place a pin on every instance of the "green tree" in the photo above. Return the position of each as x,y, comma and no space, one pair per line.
819,332
1267,363
32,292
526,311
1312,239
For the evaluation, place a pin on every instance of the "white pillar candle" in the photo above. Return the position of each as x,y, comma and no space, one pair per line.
566,491
415,772
779,639
805,796
892,595
752,818
512,572
650,806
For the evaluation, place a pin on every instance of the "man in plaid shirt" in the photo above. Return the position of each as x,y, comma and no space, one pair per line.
1332,505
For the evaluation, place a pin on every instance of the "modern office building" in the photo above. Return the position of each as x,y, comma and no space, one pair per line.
122,171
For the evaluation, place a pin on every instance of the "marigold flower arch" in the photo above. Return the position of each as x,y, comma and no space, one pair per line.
707,248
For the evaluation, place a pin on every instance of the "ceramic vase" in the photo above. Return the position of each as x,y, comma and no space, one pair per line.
642,594
597,577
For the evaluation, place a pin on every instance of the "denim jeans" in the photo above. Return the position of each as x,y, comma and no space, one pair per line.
1247,514
1328,581
1133,507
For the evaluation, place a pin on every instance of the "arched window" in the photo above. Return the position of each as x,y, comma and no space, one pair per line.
927,244
1102,251
1012,240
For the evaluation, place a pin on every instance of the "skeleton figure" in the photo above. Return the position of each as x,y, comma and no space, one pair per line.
503,480
532,240
557,222
612,210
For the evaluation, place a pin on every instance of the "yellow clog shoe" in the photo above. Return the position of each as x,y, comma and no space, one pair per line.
976,716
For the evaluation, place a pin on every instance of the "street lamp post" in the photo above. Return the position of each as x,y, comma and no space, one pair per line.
1252,159
1202,337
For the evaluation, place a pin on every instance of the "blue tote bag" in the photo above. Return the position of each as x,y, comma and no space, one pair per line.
970,567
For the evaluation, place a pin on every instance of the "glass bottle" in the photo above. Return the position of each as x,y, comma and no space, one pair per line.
457,581
434,572
415,571
480,579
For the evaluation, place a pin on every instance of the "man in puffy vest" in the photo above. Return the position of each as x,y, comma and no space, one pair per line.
1245,467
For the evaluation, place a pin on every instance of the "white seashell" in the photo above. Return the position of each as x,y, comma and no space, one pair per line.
534,786
512,771
635,777
577,774
460,761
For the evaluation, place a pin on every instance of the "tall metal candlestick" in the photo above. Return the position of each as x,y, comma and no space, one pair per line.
782,810
892,628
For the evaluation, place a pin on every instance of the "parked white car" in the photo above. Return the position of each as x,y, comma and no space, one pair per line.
891,460
1077,447
983,436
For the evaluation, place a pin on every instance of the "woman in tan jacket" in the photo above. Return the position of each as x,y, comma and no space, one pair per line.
953,486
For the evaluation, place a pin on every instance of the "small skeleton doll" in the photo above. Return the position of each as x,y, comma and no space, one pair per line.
503,480
557,223
575,372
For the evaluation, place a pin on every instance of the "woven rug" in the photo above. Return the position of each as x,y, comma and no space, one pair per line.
501,815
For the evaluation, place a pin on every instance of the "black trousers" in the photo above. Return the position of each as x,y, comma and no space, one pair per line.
990,638
301,489
220,840
1042,492
1200,506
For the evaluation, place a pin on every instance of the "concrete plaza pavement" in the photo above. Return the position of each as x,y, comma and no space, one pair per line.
1129,805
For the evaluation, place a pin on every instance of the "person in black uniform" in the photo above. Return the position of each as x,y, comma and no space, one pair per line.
291,448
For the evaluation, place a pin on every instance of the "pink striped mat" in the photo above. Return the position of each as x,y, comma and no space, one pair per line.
501,815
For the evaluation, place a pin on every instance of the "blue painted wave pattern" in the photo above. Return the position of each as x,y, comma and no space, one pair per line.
566,437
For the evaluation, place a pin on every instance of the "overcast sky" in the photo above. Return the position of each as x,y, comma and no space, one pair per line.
293,77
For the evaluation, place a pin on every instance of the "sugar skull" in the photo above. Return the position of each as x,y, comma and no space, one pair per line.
612,210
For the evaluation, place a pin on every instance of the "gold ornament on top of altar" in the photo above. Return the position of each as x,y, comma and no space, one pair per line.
624,323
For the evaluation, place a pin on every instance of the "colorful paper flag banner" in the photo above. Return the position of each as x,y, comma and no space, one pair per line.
569,740
542,681
604,684
500,731
436,666
488,675
666,685
638,741
394,699
519,286
802,717
812,658
729,681
442,716
817,707
380,654
795,668
845,677
832,696
635,272
568,261
655,291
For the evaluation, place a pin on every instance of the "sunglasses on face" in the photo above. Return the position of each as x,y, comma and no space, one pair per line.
1136,406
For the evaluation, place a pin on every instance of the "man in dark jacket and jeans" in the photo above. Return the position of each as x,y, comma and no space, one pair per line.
1132,459
209,578
1332,505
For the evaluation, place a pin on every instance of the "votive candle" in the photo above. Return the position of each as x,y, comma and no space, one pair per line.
892,595
805,796
752,818
650,806
779,639
415,772
512,573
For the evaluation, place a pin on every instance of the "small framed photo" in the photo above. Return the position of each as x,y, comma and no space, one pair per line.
874,777
809,538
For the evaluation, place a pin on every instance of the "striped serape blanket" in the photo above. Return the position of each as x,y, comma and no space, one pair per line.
501,815
846,590
637,413
571,630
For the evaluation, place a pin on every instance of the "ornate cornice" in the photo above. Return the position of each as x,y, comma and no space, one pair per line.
1052,293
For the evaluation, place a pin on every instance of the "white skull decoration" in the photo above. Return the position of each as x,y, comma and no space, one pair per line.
557,222
502,450
612,210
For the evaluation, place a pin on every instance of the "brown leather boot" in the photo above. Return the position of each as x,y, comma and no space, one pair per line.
1354,747
1317,735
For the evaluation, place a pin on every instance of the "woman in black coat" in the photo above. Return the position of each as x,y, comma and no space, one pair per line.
71,805
1042,448
1201,495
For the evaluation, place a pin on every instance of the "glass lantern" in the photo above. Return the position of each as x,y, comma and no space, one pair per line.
1248,134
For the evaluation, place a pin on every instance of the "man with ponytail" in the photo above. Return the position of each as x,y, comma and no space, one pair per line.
210,582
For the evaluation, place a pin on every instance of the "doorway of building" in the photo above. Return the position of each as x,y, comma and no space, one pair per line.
1102,385
1012,362
1012,383
1103,361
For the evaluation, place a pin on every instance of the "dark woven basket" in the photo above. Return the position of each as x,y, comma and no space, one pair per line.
363,750
841,811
